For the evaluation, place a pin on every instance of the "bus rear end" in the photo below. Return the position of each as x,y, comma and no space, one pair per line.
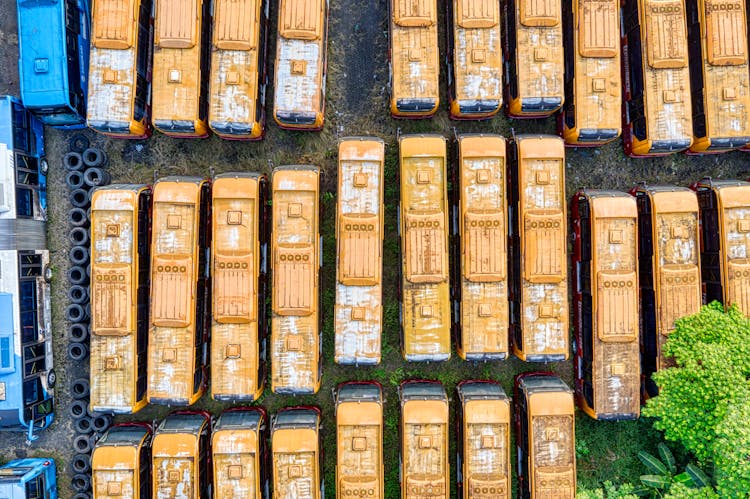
669,274
545,436
120,272
179,101
359,440
181,456
53,60
480,264
300,70
238,260
425,465
296,339
120,69
180,291
475,58
483,441
605,304
423,225
121,462
239,453
414,58
358,316
238,69
591,115
725,241
29,478
297,453
538,267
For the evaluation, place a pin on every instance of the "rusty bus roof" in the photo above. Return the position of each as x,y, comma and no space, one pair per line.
609,203
301,19
176,23
413,13
235,24
113,22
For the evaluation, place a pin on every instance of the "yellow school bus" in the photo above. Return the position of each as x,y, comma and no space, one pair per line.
658,112
592,112
121,462
300,71
296,447
359,440
181,455
669,269
476,61
533,54
238,77
719,75
358,318
605,304
423,229
480,291
181,58
296,341
545,436
120,68
239,454
120,272
725,241
180,291
425,467
483,441
538,267
238,263
413,58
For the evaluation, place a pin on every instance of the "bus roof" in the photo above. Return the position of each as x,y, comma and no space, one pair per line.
182,423
423,390
129,435
300,19
481,390
113,23
175,23
421,145
359,392
245,419
234,24
41,53
541,382
296,417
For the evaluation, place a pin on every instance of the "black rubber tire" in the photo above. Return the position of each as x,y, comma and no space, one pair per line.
73,161
78,236
83,425
78,351
74,180
79,255
78,333
82,495
77,275
82,444
76,313
78,143
78,217
78,409
94,177
81,462
81,482
78,294
94,157
79,388
80,198
102,422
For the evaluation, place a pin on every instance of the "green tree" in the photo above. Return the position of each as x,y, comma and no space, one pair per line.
703,400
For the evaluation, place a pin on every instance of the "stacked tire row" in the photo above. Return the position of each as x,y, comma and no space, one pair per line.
85,170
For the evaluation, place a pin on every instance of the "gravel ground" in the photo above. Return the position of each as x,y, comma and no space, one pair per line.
357,104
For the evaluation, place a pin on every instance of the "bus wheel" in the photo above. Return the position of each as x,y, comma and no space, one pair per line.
47,273
51,378
78,143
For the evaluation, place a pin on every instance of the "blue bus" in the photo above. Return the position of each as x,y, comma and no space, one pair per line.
27,377
30,478
53,59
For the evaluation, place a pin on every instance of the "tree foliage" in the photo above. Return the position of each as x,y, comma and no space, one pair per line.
608,491
703,400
